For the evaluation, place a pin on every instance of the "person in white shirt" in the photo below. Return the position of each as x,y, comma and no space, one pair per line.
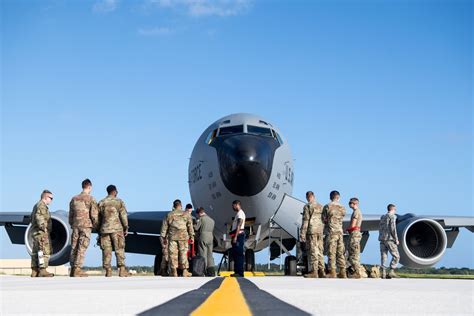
238,239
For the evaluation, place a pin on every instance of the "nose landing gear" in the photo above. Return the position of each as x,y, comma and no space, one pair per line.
249,260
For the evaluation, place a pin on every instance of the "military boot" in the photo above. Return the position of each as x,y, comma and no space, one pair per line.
108,272
77,273
331,275
164,271
210,272
342,274
321,273
44,274
312,275
186,273
173,272
392,274
384,274
356,275
34,272
164,268
123,272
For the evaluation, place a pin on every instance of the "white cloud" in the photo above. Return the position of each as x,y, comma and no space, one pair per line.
155,31
105,6
203,8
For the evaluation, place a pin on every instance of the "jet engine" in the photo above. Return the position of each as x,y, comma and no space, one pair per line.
422,241
60,239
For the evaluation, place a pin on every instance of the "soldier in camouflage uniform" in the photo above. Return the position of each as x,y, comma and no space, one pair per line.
312,233
388,241
113,227
176,230
41,226
83,216
354,237
333,214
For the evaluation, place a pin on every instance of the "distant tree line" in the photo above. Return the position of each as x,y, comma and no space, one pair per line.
441,270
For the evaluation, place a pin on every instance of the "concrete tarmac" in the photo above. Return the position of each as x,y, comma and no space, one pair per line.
373,296
130,296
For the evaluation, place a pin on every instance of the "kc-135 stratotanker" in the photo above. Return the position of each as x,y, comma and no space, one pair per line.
244,157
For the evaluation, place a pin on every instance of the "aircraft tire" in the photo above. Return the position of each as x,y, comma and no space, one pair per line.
290,265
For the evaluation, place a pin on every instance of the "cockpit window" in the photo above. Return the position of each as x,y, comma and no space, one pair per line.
229,130
278,138
211,136
262,131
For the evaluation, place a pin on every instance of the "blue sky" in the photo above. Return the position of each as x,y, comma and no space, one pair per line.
374,98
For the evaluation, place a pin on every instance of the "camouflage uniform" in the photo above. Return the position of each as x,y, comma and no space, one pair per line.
83,216
113,222
41,226
333,213
312,228
388,240
354,241
177,229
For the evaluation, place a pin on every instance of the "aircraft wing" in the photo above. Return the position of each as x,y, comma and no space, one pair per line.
454,221
371,222
15,225
143,232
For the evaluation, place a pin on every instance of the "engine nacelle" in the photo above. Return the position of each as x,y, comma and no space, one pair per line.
60,239
422,242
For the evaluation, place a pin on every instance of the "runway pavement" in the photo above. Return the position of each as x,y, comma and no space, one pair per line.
374,296
262,295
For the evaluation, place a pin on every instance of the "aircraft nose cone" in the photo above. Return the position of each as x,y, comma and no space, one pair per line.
245,162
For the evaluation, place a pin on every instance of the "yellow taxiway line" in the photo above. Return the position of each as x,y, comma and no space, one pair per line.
228,299
246,274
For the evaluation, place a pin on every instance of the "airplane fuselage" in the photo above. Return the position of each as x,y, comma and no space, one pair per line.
240,157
